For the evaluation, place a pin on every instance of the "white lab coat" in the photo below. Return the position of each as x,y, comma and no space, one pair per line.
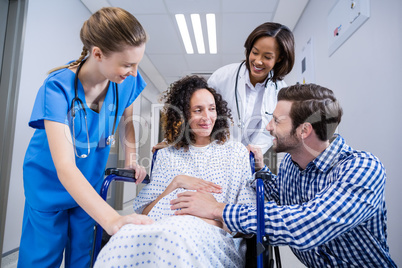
223,81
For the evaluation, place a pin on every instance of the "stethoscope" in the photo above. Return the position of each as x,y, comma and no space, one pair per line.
111,139
241,124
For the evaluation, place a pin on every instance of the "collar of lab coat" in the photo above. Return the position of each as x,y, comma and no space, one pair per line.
270,93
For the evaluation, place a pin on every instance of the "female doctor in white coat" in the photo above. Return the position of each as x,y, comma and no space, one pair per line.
251,87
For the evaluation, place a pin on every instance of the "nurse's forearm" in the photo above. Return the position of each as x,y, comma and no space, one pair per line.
86,196
73,180
129,137
130,149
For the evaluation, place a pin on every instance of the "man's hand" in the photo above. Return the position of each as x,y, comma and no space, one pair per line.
258,156
200,204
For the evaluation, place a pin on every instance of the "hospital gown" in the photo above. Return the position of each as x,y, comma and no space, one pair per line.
185,241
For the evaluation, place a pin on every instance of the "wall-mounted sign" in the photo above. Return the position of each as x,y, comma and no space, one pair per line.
344,19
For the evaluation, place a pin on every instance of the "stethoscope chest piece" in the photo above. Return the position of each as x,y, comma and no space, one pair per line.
110,140
240,124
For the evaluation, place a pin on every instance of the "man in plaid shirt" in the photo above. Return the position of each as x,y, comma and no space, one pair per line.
327,202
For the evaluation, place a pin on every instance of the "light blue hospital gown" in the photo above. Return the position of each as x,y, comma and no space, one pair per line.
184,241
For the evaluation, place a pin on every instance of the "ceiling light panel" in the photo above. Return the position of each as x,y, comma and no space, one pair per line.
211,26
199,39
197,27
181,23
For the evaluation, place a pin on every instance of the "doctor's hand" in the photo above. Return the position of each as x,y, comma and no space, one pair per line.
140,172
193,183
258,156
200,203
120,221
160,145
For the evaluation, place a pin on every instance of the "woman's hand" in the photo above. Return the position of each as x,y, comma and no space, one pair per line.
258,156
120,221
140,172
186,182
193,183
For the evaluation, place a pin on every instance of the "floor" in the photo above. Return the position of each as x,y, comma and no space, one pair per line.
10,261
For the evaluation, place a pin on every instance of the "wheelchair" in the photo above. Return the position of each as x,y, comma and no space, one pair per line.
259,253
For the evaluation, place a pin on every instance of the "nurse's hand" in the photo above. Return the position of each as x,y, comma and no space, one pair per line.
135,218
258,156
140,172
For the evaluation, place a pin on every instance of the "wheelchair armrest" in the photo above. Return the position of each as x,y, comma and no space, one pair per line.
113,174
119,174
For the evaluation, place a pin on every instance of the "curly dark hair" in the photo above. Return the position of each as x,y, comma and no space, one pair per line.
176,112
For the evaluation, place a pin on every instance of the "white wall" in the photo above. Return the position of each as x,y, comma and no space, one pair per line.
51,39
364,74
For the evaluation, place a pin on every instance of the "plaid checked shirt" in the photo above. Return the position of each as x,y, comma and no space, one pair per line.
331,214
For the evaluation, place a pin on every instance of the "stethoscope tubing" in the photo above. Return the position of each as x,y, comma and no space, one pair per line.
110,140
236,93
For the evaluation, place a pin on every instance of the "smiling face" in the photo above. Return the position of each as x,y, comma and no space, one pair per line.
202,116
263,57
119,65
281,129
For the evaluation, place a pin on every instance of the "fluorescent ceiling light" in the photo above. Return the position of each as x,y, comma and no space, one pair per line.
199,39
211,26
185,36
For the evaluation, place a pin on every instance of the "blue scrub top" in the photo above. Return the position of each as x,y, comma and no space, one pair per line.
43,190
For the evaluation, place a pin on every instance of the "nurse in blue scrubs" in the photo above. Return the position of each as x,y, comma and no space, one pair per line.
75,114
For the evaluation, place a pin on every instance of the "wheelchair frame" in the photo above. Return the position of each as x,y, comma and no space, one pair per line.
264,250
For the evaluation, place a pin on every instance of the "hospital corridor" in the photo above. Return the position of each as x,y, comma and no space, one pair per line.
90,89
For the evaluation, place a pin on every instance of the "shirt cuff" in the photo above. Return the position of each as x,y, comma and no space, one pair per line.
240,218
265,168
231,217
253,182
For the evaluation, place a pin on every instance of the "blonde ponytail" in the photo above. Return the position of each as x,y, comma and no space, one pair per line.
84,53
